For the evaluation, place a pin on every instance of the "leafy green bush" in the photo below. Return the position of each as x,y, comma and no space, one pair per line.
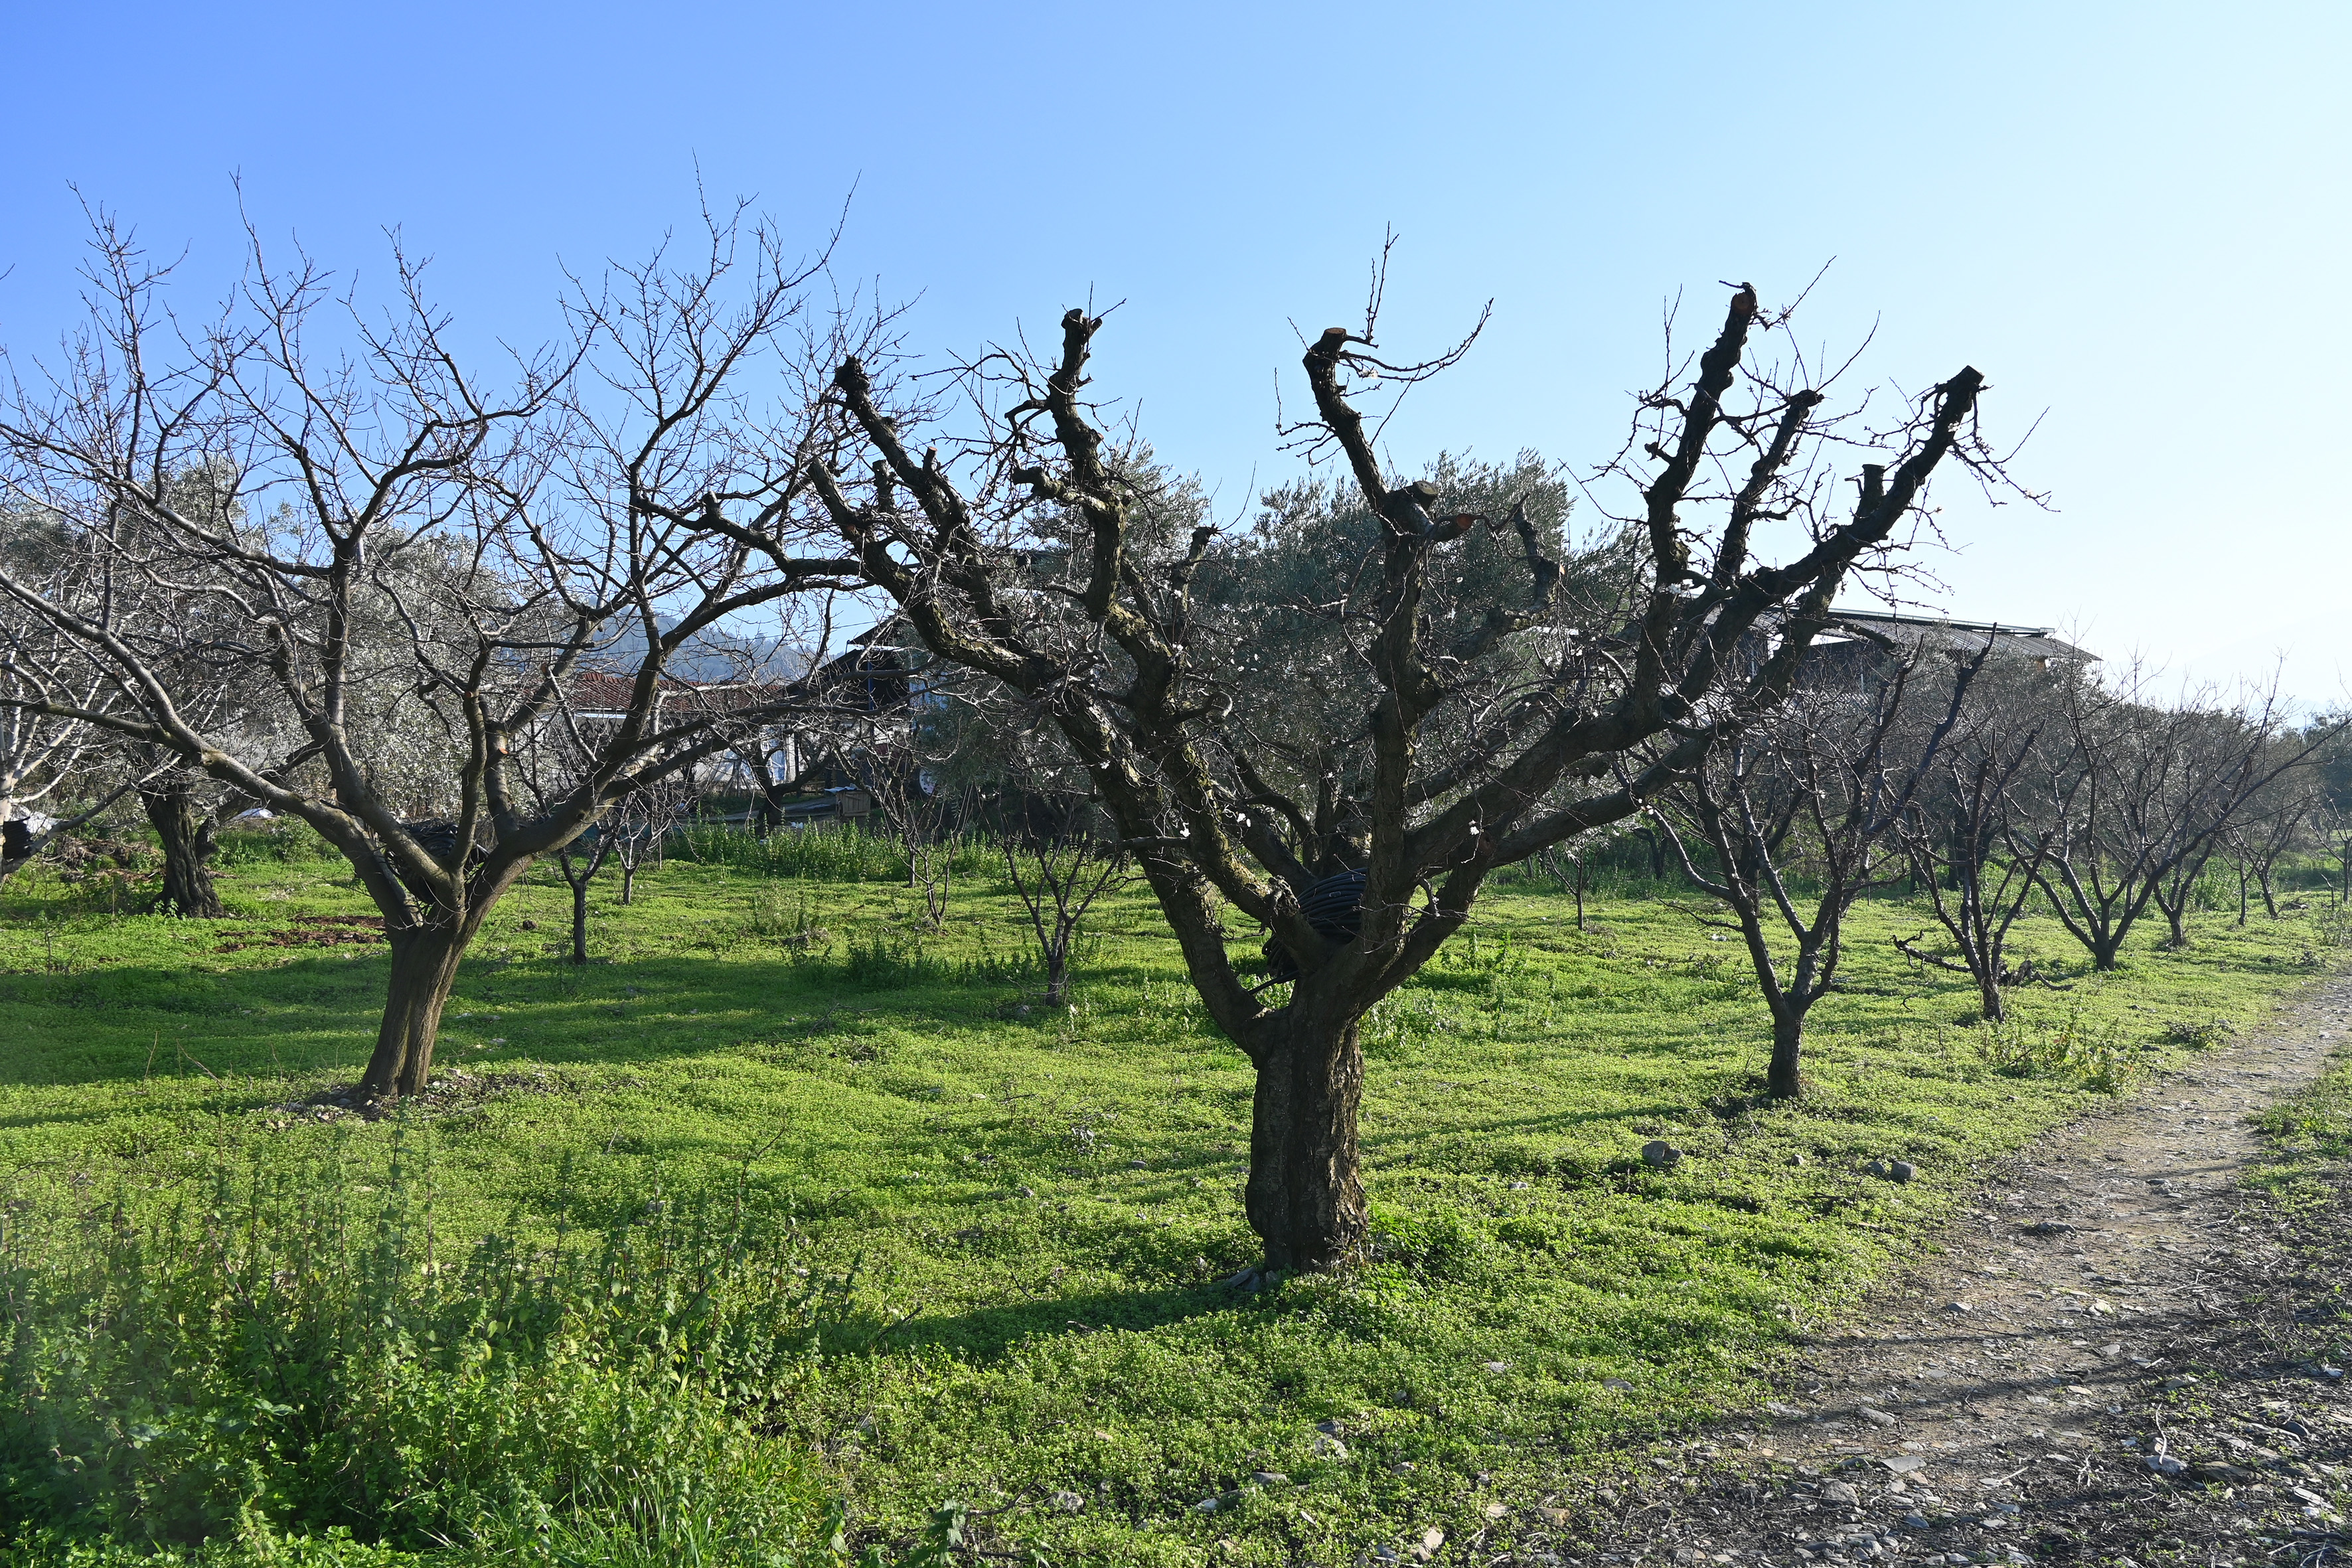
2199,1035
286,1354
284,841
2096,1058
841,852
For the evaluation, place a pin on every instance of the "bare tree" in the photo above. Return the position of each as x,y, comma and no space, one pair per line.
1057,876
2276,823
511,569
920,816
1819,785
2137,797
1021,555
1570,866
50,759
640,826
1964,843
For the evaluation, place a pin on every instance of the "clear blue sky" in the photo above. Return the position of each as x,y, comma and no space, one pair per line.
2131,216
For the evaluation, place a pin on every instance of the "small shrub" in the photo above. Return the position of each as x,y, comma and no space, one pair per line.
2199,1036
286,841
884,958
2094,1058
277,1353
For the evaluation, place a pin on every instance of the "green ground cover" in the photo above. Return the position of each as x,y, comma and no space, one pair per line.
1013,1222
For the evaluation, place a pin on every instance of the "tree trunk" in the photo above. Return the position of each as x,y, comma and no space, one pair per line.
628,879
580,920
424,970
1990,1001
2102,953
1306,1197
186,836
1785,1077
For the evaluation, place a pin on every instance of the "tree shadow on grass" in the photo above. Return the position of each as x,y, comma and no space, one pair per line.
986,1334
106,1022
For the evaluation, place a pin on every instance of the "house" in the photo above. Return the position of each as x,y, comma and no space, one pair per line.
804,743
1858,646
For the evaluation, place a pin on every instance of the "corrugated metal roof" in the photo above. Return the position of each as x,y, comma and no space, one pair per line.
1944,634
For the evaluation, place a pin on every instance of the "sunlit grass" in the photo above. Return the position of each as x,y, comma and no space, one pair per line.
1041,1203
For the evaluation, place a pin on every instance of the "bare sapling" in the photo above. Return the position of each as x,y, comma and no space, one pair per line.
1819,785
1057,877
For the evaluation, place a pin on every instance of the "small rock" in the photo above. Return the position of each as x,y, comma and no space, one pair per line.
1518,1186
1497,1511
1327,1447
2222,1475
1838,1492
2166,1465
1957,1307
1904,1464
531,925
1876,1417
1880,1168
1496,1365
1065,1503
2331,1371
1619,1384
1901,1171
2111,1352
1685,1554
2174,1385
1915,1521
1660,1155
1270,1477
1206,1505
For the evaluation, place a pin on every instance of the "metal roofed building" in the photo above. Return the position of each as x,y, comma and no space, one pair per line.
1856,645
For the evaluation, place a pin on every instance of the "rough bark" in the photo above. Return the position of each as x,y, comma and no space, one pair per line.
1305,1198
1784,1078
424,962
1152,714
186,835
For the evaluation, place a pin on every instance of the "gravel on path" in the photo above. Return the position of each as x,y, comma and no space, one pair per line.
2119,1355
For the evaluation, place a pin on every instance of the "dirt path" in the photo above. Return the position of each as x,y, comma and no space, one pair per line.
2112,1298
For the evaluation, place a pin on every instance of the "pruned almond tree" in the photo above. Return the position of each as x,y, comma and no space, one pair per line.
1020,551
439,573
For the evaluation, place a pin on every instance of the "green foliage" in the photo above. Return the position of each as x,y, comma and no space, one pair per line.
821,853
2201,1034
1028,1213
2088,1052
287,840
2309,1152
283,1352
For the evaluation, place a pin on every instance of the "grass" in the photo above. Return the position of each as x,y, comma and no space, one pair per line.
1022,1216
